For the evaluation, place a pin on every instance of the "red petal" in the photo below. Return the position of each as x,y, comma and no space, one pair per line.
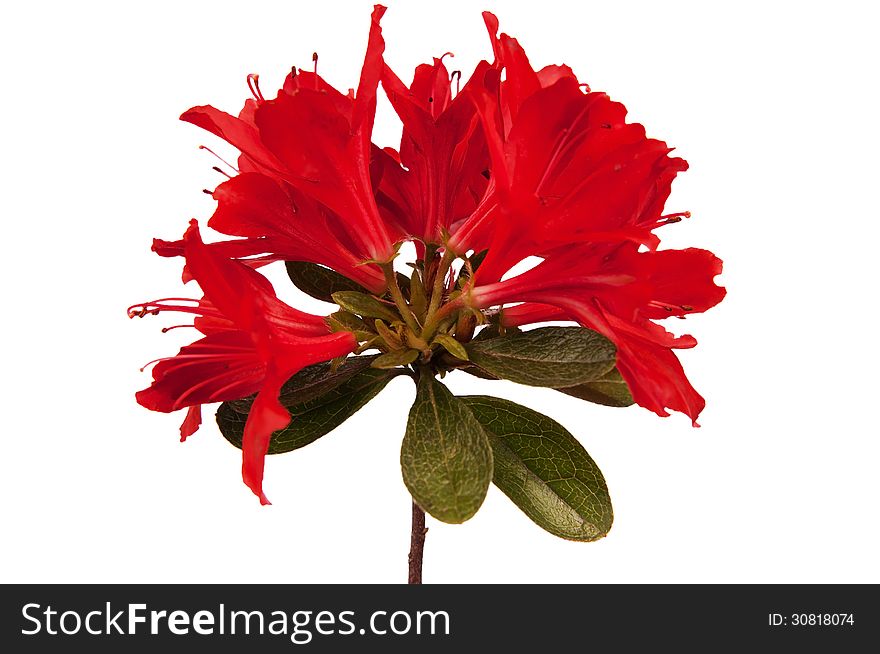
289,226
221,366
326,153
242,294
371,72
266,416
234,131
442,151
683,281
192,422
656,379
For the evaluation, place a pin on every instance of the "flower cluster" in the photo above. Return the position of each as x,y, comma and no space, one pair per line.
515,163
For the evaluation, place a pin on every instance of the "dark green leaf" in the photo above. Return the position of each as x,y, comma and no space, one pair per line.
365,305
548,356
609,390
313,418
476,372
395,359
542,468
319,282
445,456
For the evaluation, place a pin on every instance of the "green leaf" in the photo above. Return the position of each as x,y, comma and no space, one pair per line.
347,321
557,357
609,390
494,331
395,359
543,469
391,338
319,282
452,346
445,456
313,418
476,372
365,305
417,296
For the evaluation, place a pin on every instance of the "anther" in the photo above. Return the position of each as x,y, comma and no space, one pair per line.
456,75
207,192
206,148
315,62
675,217
165,330
222,172
253,82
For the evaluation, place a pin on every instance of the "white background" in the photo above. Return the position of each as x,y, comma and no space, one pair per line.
775,106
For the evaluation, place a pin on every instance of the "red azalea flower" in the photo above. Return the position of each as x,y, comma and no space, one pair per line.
575,184
318,141
280,224
566,166
619,291
440,177
253,343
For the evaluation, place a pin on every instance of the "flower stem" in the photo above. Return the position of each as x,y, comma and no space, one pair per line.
417,545
396,295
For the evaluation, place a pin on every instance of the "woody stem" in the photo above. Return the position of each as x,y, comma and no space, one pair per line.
396,295
417,545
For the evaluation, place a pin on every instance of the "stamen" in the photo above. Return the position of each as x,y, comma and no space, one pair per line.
253,82
156,306
668,219
165,330
585,87
207,192
149,363
669,308
217,168
205,147
187,360
315,68
456,75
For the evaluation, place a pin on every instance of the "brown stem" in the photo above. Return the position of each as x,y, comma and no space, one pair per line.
417,545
